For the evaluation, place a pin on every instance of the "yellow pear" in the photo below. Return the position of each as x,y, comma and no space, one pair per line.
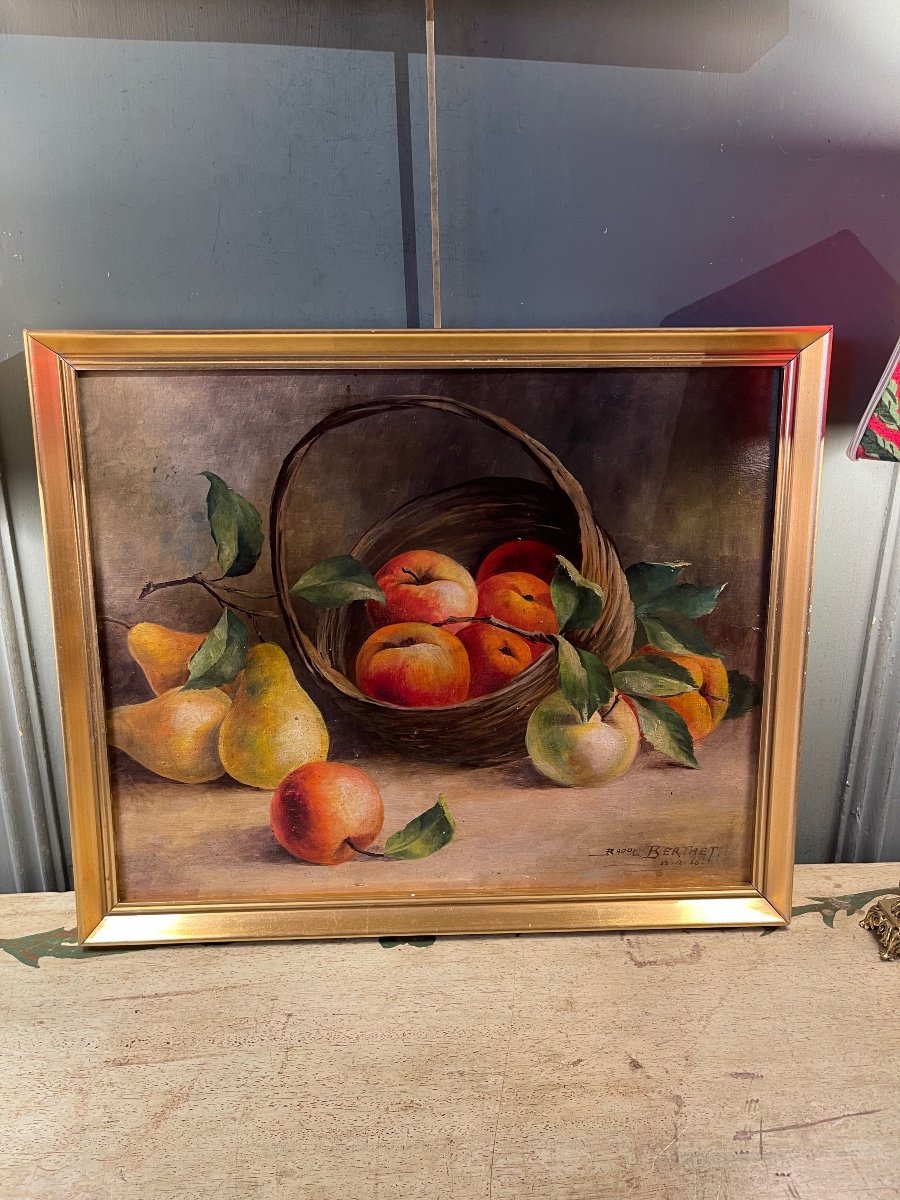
175,735
163,654
272,727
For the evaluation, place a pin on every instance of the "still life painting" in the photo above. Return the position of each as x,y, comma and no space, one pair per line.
426,633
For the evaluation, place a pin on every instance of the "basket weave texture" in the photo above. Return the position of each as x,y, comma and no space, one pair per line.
465,522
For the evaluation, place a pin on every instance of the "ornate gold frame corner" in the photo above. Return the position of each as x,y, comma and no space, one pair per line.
55,361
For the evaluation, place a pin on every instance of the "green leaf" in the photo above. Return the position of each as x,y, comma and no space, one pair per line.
221,656
679,635
425,834
874,446
666,731
888,407
235,526
584,680
686,599
337,581
578,601
743,694
648,579
653,675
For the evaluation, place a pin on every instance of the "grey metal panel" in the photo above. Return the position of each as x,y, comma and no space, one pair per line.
869,829
179,184
264,164
589,195
32,851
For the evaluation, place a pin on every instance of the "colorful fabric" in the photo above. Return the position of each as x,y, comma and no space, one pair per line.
881,436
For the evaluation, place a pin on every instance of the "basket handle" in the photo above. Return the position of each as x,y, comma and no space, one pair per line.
558,475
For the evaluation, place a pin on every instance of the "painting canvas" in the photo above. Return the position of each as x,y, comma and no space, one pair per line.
430,634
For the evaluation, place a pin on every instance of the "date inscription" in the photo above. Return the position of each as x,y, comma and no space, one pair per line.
665,856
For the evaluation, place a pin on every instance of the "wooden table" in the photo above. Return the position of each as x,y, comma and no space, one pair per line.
668,1066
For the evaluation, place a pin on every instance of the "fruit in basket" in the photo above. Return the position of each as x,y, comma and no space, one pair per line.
325,812
163,654
525,554
522,600
272,726
579,753
496,656
704,708
422,585
175,735
413,665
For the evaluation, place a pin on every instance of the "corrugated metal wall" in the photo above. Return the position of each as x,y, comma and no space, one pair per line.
264,164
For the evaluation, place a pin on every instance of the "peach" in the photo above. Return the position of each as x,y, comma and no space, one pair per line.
703,709
325,812
522,600
422,585
525,554
495,656
413,665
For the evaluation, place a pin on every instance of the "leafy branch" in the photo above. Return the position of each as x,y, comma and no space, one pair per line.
209,586
666,611
236,531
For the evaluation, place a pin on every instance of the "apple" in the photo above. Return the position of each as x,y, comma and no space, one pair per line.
422,585
324,812
524,554
495,656
413,665
704,708
522,600
582,754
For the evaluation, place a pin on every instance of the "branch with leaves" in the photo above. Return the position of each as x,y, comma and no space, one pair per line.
666,611
236,530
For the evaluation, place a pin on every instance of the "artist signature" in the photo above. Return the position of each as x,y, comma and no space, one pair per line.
664,856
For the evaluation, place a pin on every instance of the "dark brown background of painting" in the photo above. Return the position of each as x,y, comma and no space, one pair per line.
677,465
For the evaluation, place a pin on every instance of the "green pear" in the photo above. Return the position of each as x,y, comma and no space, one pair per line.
273,727
175,735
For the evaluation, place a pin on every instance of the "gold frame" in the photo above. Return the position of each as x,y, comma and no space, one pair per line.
55,360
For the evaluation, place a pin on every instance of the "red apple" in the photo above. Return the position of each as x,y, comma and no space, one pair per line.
422,585
325,811
413,665
495,656
522,600
525,554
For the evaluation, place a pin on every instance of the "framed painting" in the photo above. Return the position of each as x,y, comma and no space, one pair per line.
404,633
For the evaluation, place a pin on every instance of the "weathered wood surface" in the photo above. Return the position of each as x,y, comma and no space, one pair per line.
678,1066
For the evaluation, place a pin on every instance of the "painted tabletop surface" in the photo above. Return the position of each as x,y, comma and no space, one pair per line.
513,830
733,1065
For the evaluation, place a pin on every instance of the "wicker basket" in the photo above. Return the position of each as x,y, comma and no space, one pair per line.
465,522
